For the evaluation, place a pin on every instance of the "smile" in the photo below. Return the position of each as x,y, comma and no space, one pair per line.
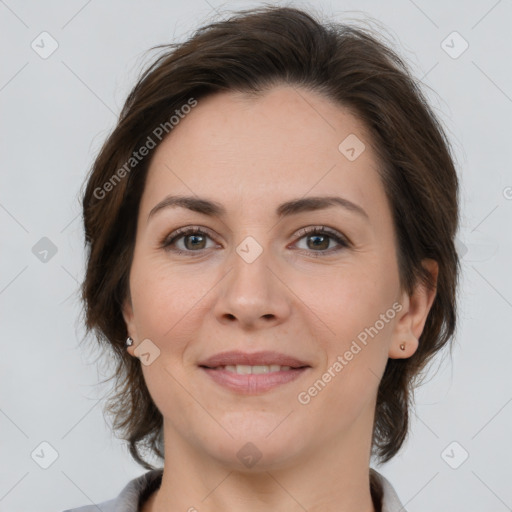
244,369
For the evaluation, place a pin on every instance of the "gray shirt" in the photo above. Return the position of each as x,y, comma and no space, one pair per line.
138,490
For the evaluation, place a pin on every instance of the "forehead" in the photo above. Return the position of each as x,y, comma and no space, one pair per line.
255,150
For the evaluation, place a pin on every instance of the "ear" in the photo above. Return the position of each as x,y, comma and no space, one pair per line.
414,314
129,320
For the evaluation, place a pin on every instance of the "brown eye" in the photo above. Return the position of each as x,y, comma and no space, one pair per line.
193,240
319,239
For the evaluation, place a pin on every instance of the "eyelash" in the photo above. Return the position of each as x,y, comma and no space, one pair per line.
196,230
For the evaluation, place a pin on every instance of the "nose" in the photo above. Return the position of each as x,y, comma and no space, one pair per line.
252,293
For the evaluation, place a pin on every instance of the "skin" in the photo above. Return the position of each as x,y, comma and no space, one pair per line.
251,155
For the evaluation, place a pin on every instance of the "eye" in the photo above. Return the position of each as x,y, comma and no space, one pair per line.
318,240
194,239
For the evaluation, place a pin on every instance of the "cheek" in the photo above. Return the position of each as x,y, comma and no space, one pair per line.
164,381
162,297
358,310
348,300
356,358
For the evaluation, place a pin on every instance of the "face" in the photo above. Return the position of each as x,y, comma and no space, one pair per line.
254,276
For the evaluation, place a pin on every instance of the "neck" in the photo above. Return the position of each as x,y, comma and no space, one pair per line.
331,476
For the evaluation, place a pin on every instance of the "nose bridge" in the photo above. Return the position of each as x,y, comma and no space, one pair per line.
251,276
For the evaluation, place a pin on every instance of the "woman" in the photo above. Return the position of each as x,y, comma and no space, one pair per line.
271,260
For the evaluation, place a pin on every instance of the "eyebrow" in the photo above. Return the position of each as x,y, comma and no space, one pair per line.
215,209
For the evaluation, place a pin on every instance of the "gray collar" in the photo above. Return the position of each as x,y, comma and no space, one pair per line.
138,490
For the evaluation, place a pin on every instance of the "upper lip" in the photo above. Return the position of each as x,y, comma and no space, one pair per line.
252,359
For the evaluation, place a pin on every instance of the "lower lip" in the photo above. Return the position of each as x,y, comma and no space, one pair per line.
253,384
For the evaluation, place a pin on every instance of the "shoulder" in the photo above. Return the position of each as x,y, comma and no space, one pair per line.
128,500
389,498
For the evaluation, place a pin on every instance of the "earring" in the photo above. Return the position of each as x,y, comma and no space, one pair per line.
402,346
129,342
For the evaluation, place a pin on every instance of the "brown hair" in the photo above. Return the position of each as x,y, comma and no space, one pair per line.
251,52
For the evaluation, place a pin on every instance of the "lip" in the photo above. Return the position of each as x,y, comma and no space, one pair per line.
267,357
253,384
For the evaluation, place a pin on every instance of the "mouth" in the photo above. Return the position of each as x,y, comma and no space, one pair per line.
255,359
244,369
254,373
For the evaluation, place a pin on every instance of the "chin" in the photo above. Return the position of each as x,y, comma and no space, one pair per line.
255,448
253,456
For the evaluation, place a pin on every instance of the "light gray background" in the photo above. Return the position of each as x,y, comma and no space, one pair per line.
57,111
